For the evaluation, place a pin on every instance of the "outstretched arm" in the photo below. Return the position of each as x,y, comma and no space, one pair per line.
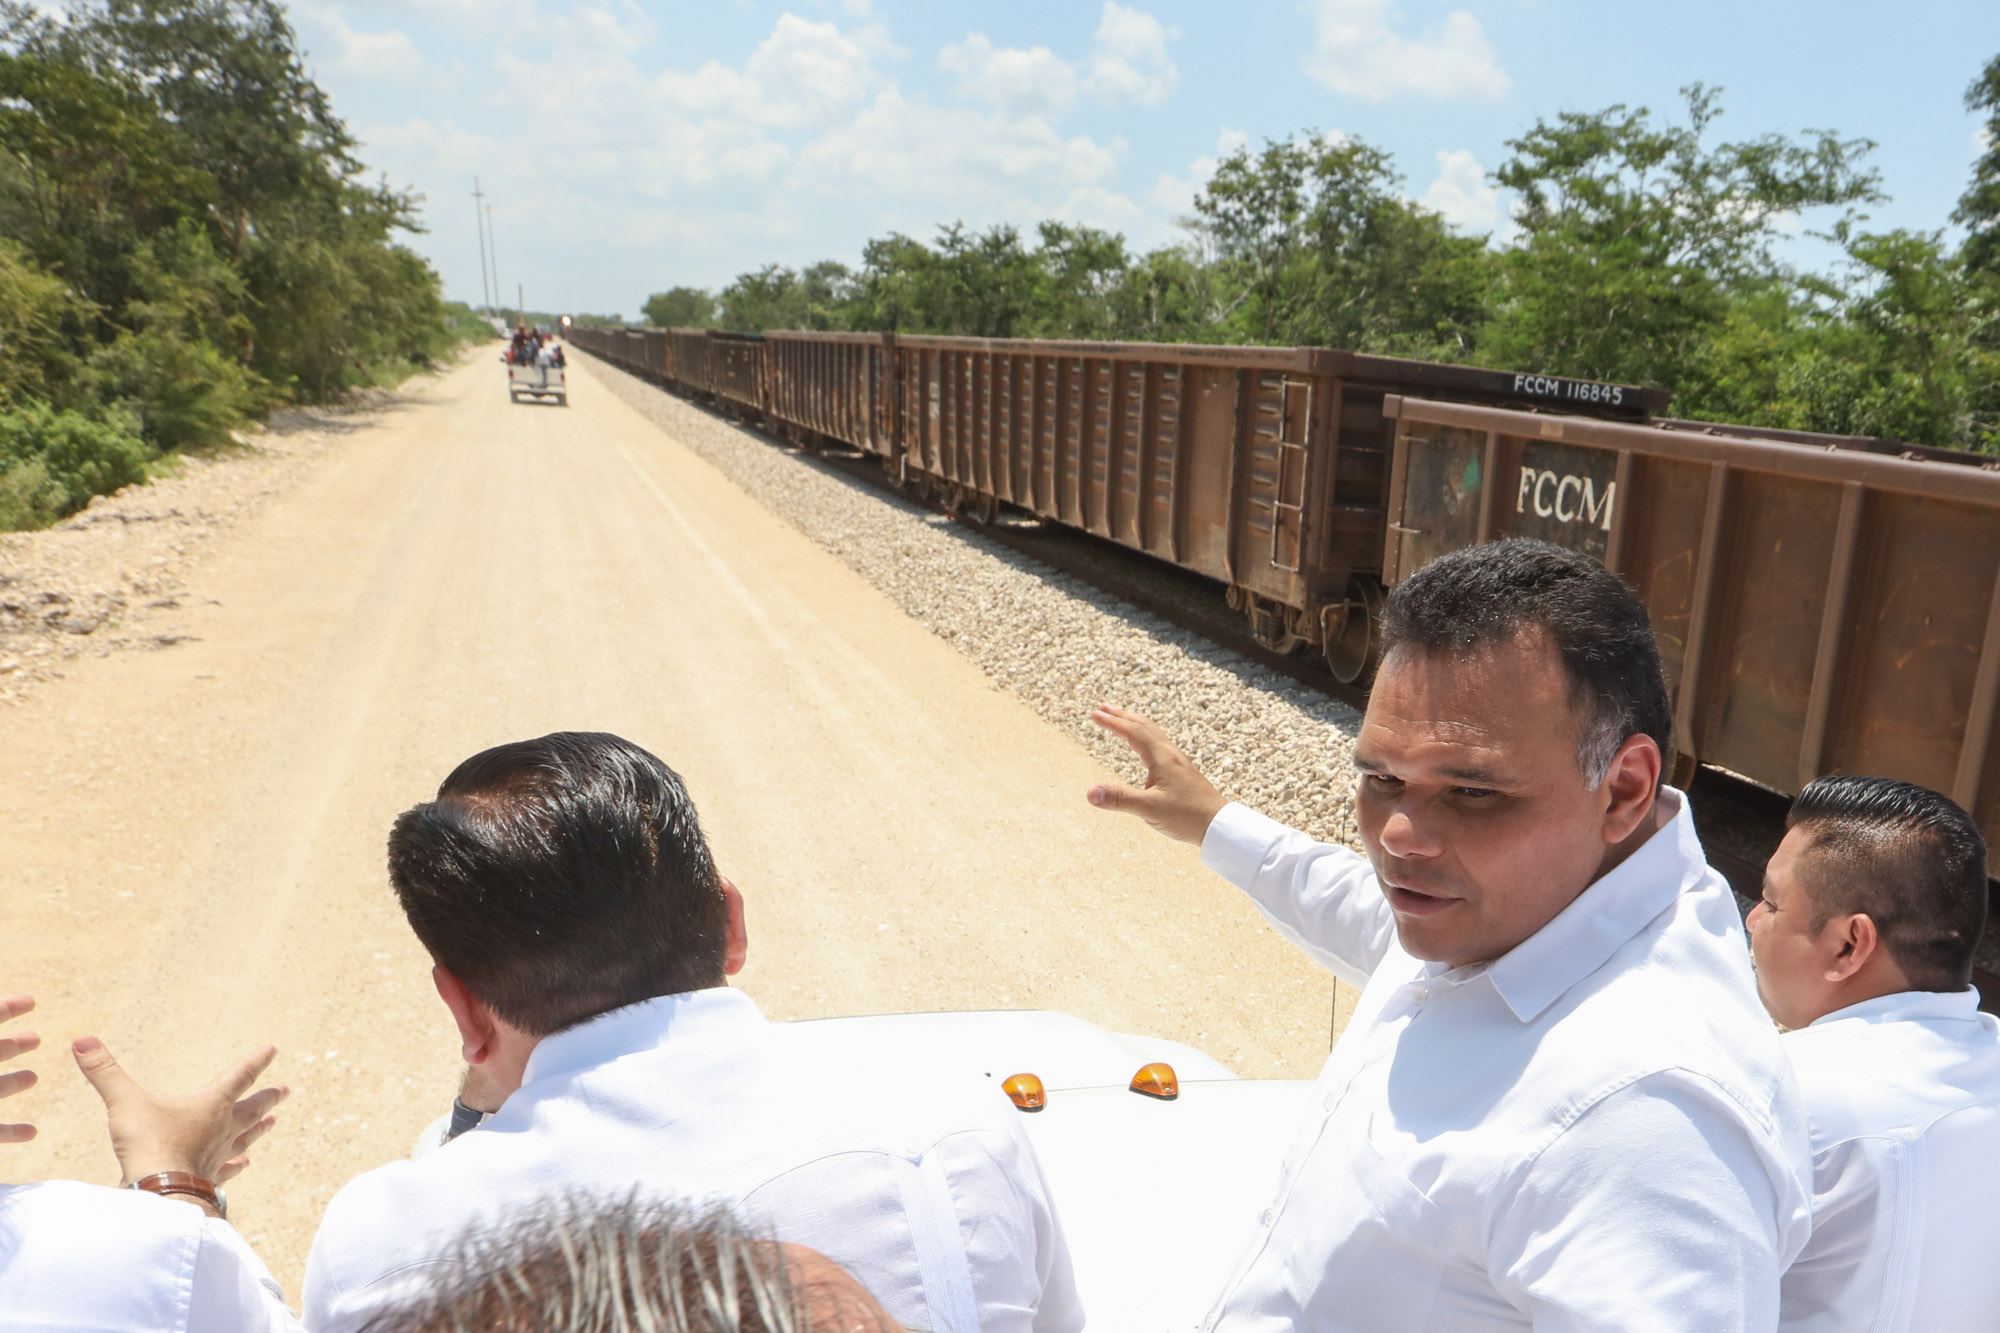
1323,898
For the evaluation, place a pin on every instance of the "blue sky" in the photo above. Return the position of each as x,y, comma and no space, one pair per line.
627,147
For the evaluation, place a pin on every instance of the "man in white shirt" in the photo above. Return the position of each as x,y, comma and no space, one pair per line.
1873,906
1558,1104
154,1258
582,938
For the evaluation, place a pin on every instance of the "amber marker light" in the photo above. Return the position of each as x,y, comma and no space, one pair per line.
1026,1092
1157,1080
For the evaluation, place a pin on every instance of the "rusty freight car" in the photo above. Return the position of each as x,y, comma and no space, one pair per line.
657,359
1821,607
1265,468
737,373
832,388
693,362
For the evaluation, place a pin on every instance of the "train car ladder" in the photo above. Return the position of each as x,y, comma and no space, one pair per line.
1291,465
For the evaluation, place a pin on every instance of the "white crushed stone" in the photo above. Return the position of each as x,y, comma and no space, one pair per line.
1056,642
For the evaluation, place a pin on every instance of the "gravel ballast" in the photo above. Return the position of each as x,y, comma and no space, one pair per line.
1056,642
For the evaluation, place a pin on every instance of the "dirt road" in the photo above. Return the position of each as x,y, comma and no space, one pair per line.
193,836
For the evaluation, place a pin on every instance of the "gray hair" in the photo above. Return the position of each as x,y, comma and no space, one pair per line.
582,1265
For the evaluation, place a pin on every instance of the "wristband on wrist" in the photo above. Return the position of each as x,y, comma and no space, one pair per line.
187,1183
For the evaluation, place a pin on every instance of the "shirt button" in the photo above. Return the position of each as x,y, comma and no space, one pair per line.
1420,995
1332,1100
1268,1217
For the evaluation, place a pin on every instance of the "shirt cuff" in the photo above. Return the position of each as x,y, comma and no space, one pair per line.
1238,842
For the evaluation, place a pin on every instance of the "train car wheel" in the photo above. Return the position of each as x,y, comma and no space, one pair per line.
1354,632
986,508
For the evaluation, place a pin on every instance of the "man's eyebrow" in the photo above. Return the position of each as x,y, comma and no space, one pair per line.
1484,777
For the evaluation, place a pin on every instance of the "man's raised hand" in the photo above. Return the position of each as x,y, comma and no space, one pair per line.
205,1133
13,1046
1177,800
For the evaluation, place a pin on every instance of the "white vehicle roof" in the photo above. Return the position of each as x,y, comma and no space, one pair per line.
1157,1198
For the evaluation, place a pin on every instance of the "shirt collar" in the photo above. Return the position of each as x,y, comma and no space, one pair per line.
1910,1006
639,1027
1603,918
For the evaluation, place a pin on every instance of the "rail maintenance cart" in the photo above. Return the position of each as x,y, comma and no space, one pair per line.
528,379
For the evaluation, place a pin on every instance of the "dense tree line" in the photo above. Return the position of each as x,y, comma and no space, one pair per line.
186,240
1641,249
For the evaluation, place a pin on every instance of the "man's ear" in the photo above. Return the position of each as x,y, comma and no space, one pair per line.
477,1028
1850,941
1629,787
736,948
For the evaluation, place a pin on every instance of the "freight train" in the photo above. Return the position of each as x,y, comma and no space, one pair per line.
1823,604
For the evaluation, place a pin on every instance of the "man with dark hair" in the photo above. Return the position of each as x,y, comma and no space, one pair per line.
590,1266
1558,1104
582,938
1873,906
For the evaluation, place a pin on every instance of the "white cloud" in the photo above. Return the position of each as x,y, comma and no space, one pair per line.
904,145
1129,64
386,57
804,73
1462,194
1033,82
1359,53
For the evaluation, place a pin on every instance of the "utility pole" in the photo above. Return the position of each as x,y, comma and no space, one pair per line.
479,221
493,248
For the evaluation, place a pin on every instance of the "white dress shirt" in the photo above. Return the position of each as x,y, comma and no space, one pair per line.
924,1187
91,1259
1903,1093
1598,1130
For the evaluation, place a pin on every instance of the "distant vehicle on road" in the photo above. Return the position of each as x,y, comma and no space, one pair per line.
536,374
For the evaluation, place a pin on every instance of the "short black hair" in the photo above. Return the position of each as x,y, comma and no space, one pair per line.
1492,594
1909,858
561,878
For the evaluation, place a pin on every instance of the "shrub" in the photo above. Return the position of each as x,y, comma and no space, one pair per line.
52,462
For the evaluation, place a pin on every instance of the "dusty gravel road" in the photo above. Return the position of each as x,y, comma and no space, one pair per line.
192,837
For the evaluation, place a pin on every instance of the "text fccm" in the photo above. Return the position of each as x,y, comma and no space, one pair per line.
1567,498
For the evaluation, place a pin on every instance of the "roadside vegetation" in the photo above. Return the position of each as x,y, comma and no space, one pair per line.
187,240
1643,248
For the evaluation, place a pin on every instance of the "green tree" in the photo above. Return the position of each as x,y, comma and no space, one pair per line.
1979,208
189,236
40,318
1321,247
1636,236
680,308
